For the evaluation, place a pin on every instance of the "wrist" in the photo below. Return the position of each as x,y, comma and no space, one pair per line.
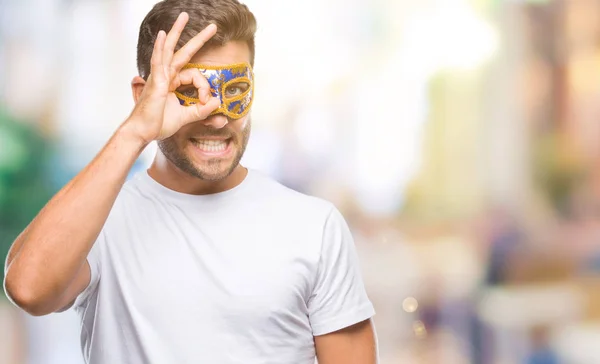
129,133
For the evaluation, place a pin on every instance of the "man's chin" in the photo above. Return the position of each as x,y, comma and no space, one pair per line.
213,172
213,177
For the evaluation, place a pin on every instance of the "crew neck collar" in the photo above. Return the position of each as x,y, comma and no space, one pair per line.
167,193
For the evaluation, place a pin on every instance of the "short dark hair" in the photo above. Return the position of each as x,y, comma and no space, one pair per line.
234,22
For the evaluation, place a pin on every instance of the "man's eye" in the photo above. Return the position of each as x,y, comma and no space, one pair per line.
190,92
236,89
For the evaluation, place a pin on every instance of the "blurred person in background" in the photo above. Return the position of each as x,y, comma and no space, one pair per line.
198,259
543,352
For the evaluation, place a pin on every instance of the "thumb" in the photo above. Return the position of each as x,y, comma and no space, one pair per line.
199,112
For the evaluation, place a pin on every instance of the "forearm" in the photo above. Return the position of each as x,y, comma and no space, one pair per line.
46,256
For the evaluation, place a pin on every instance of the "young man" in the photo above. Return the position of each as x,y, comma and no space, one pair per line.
197,260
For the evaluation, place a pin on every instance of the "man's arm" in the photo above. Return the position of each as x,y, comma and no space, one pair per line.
353,345
339,308
46,268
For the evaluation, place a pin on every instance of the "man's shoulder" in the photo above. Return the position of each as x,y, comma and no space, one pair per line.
133,195
285,198
132,189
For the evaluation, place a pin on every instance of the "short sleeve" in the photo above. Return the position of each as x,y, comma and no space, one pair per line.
338,299
93,259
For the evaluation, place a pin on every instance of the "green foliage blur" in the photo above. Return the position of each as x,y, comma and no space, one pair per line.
24,179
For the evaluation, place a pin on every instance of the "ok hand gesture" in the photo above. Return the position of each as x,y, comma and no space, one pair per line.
158,113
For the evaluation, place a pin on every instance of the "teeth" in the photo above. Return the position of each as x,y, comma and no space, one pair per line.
211,145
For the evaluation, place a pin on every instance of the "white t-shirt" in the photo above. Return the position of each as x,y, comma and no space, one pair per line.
247,276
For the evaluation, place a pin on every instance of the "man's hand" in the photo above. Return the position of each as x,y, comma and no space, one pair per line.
158,113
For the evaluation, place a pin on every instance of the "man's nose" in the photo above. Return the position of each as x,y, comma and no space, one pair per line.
216,121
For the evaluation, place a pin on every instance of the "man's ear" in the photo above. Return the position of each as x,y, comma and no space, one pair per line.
137,87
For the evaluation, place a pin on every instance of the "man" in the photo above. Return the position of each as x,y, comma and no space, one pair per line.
197,260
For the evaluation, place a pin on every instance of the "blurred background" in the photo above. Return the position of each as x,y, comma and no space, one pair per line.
459,138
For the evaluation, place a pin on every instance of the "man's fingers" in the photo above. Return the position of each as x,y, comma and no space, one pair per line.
156,64
192,76
173,37
199,112
185,53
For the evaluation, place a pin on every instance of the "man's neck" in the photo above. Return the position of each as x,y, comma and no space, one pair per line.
173,178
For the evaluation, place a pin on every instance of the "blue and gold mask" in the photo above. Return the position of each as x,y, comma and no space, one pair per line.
232,84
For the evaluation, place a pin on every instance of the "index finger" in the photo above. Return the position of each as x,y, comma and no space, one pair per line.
185,53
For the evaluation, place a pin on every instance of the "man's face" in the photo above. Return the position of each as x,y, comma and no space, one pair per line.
211,149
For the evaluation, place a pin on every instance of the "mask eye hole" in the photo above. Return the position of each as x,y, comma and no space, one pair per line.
190,92
236,89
